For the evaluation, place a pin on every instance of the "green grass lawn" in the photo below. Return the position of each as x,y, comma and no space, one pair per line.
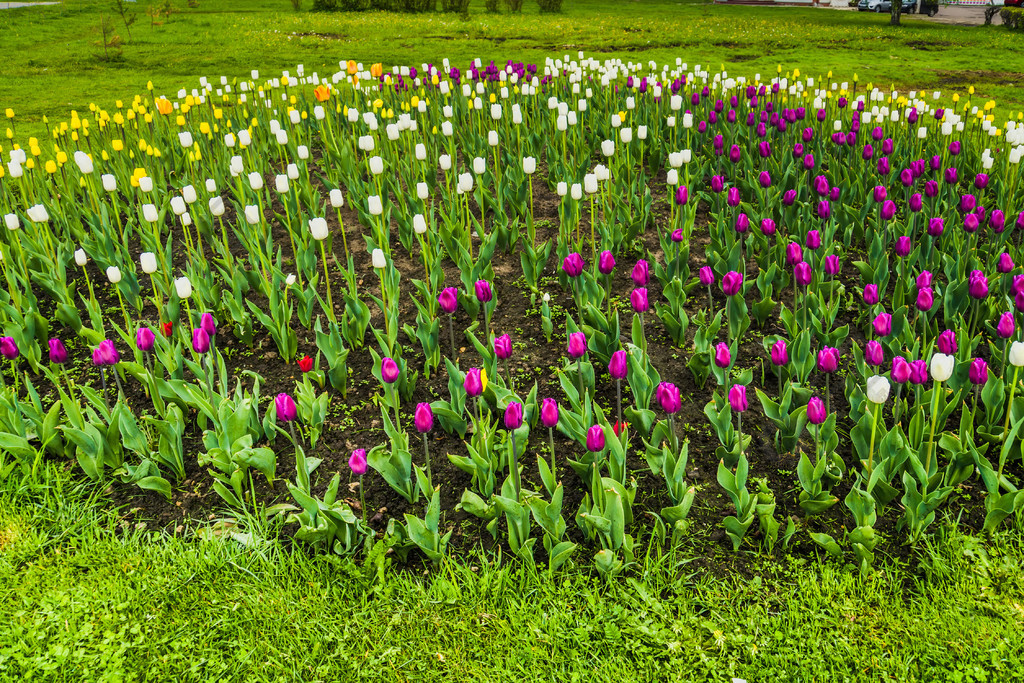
49,54
87,597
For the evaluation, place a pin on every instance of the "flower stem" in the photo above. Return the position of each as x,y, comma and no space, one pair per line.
871,445
931,433
426,456
1006,426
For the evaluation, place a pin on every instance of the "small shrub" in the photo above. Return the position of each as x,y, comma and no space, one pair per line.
491,6
550,5
340,5
514,6
296,5
1013,18
455,6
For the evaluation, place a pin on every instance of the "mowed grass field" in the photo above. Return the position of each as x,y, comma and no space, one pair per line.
51,55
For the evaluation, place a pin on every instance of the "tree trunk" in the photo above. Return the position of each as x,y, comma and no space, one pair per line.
895,10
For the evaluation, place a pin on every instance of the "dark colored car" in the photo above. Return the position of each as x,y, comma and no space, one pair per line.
1013,3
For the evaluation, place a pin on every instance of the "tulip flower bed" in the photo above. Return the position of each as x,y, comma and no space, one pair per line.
573,311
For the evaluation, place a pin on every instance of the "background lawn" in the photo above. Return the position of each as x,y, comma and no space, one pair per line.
50,61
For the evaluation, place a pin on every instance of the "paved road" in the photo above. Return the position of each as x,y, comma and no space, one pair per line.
12,5
961,15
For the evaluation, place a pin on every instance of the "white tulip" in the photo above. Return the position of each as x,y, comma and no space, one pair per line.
183,287
496,112
878,389
178,205
445,162
392,131
422,191
641,132
211,185
14,169
687,156
576,191
146,184
529,165
216,206
353,115
374,205
492,138
421,152
11,221
256,181
113,275
80,258
602,172
378,258
293,172
376,165
229,140
546,298
281,183
672,177
252,214
282,137
295,117
185,139
84,162
189,193
562,189
337,200
466,182
446,129
318,228
562,123
590,183
626,135
608,148
38,214
149,213
616,121
303,152
942,367
675,159
290,280
419,224
236,166
1017,354
147,260
479,165
109,182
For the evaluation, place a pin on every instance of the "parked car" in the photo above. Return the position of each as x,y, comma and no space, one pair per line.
1013,3
885,6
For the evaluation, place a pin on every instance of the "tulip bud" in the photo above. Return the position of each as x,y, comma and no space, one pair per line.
668,396
595,439
738,398
145,340
779,353
577,345
448,300
183,287
816,413
423,418
147,260
9,348
549,413
828,360
389,370
483,291
58,354
878,389
285,408
109,182
514,415
473,383
357,462
618,365
378,259
80,257
942,367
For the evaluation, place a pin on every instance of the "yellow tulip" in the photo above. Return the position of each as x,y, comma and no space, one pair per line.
117,145
62,157
51,167
377,70
10,113
30,164
483,379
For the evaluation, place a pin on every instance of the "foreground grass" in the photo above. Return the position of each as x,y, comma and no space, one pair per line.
50,62
85,597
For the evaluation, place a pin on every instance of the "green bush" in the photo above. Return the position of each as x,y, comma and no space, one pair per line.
491,6
515,6
1013,18
340,5
550,5
408,6
455,6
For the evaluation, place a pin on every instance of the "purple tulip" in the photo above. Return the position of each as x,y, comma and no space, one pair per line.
618,365
915,203
888,210
742,223
572,265
816,413
448,299
723,358
883,164
879,193
871,294
58,354
677,235
1020,221
980,181
821,185
977,285
595,439
1005,264
919,372
105,354
682,195
706,276
997,220
765,179
423,418
950,176
828,359
732,197
717,183
286,410
483,291
768,226
738,398
779,353
900,370
641,273
200,340
802,273
946,342
873,354
868,152
513,415
824,210
388,370
503,347
808,162
549,413
577,346
473,384
1005,328
813,240
208,325
732,282
970,223
931,189
794,253
935,226
357,461
9,348
924,279
605,262
638,299
145,340
906,177
789,198
902,247
954,147
832,265
925,299
883,324
668,396
978,372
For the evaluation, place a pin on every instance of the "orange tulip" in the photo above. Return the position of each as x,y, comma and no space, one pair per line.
352,67
164,106
377,70
322,93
